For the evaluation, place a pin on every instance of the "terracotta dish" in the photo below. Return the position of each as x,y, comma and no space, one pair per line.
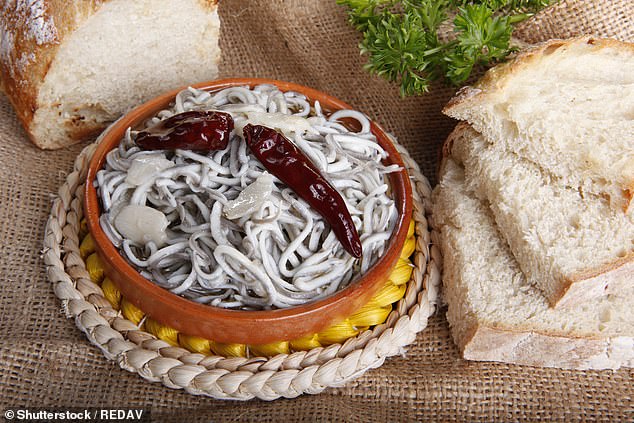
236,326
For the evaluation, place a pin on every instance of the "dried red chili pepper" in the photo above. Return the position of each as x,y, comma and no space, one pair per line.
283,159
193,130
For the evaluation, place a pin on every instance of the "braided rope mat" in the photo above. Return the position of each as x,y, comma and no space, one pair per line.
285,375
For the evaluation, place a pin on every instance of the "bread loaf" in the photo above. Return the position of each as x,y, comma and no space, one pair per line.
575,248
567,106
71,67
495,314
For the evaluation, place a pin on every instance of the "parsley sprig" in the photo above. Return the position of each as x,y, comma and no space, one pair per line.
403,43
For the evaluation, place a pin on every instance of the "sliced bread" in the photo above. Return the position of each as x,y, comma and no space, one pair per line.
568,106
497,315
573,248
71,67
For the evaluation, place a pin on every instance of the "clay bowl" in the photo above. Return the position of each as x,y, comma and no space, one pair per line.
236,326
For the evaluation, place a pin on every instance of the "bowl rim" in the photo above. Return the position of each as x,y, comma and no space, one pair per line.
263,326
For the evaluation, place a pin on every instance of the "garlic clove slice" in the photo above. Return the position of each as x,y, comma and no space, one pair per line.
250,198
145,167
142,224
287,124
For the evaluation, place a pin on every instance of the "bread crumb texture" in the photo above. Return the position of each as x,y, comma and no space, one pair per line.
567,106
496,314
559,236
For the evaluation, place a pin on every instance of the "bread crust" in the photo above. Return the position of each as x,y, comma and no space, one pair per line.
615,276
533,348
495,79
210,5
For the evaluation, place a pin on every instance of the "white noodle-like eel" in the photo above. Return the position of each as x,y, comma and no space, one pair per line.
279,253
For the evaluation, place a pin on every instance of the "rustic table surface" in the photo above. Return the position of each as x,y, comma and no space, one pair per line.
45,361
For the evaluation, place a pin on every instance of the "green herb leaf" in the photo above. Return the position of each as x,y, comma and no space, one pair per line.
363,12
482,39
400,52
401,38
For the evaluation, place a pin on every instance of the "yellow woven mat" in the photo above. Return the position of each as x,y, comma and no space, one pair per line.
45,361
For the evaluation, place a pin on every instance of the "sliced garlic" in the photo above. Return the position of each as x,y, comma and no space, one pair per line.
145,167
142,224
250,198
287,124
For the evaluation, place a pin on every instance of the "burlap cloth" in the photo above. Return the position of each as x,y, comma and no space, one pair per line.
46,362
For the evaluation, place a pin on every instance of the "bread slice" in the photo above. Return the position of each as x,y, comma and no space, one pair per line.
567,106
573,248
495,314
71,67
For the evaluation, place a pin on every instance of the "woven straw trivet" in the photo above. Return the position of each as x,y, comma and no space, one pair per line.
285,375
